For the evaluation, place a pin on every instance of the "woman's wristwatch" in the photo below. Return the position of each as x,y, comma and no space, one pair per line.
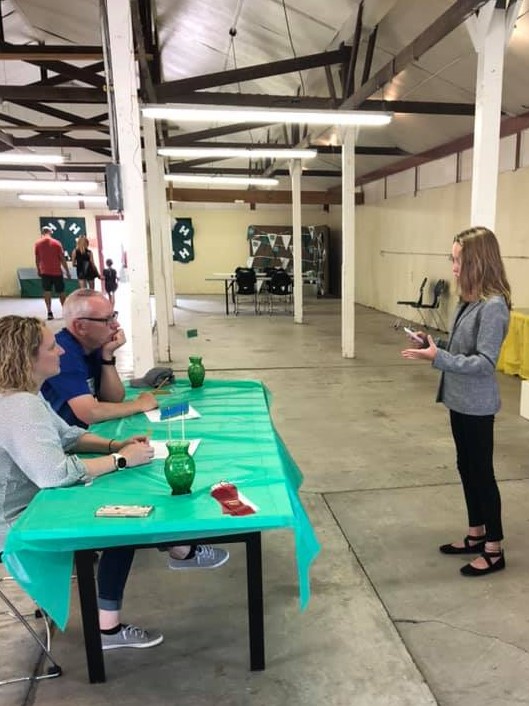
119,461
112,361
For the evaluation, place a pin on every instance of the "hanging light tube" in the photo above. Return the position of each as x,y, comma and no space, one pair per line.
30,158
228,114
63,198
246,152
220,179
46,185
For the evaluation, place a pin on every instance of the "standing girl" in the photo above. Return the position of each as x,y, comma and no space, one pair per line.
83,261
468,388
110,277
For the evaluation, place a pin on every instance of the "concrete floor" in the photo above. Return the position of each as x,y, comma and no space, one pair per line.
391,621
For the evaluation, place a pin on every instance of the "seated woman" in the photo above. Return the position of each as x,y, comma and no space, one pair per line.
37,450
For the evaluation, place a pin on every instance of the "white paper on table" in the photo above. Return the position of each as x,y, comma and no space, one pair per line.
160,449
154,415
246,501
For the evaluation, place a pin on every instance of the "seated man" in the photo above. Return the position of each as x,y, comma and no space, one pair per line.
88,389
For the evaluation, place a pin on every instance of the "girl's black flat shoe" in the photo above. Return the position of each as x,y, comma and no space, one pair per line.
476,548
492,566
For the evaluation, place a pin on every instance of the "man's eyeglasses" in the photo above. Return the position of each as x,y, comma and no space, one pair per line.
105,320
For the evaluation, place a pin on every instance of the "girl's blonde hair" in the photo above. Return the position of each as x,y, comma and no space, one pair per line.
482,273
20,339
82,243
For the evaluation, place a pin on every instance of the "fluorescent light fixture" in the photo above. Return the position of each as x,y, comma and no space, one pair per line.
228,114
63,198
30,158
43,185
233,180
228,152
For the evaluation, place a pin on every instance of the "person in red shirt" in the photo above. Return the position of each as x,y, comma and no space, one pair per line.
50,261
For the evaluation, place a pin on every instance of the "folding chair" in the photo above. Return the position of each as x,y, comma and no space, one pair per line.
415,304
245,286
280,286
438,290
54,670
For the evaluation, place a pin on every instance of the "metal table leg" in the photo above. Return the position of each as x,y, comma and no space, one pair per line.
254,572
84,561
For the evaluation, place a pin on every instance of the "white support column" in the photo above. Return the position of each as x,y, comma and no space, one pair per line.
128,135
167,244
156,222
489,37
295,175
348,243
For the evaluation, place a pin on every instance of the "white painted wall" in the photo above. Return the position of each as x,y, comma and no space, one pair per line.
221,244
403,239
19,230
220,240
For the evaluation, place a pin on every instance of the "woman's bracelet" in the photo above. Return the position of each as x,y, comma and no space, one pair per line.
110,445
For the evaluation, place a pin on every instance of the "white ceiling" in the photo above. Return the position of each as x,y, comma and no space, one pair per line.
194,39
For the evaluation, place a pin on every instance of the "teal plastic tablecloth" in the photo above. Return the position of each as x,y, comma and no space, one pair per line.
238,444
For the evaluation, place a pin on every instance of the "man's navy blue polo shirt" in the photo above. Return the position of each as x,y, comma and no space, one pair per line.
80,375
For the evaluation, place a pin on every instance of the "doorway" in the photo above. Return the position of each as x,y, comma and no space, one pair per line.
111,244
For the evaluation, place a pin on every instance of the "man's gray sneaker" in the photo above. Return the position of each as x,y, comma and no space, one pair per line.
206,557
131,636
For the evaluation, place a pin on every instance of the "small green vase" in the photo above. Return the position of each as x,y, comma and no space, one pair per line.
196,371
179,467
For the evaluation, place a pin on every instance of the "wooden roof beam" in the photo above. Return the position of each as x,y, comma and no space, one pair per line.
254,196
190,137
16,52
456,14
67,72
52,94
508,126
262,100
171,89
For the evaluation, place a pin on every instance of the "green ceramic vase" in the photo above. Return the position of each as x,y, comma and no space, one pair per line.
196,371
179,467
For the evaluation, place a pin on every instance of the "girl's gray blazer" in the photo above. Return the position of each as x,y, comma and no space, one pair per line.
468,361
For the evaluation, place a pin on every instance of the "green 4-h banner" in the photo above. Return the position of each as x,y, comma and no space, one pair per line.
65,230
182,235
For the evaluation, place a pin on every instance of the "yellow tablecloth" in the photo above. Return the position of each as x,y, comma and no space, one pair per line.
514,355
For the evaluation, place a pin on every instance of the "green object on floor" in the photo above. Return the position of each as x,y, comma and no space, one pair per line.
192,333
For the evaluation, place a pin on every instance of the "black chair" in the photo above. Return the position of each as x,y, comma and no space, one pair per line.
438,291
415,303
280,286
245,286
13,612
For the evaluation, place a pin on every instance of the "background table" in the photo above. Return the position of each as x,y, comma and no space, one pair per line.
239,444
30,284
514,355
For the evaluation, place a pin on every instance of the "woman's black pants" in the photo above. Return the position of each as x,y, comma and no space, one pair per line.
474,440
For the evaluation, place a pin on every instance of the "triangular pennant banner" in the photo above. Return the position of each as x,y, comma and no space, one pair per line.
286,240
272,238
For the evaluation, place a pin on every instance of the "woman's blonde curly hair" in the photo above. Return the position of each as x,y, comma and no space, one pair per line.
20,339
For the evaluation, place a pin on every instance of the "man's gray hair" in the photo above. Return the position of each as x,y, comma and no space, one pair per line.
79,304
